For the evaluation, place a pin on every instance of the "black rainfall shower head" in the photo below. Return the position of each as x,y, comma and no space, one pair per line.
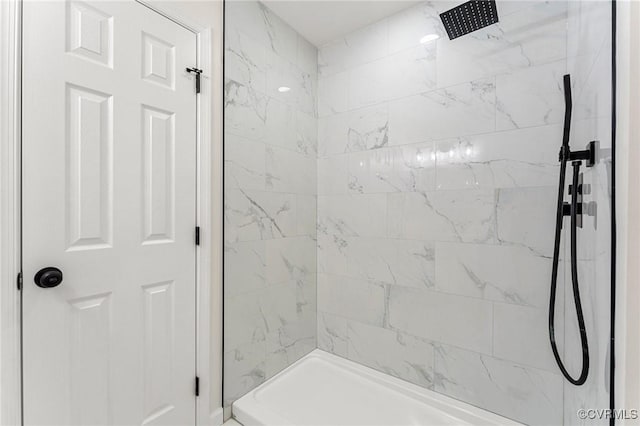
469,17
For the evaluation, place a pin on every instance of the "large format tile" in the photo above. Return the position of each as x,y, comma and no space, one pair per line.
456,320
412,71
370,83
380,170
306,133
332,175
244,370
407,263
333,134
245,111
244,322
245,60
512,323
460,110
407,27
332,334
332,252
252,215
531,96
467,216
279,124
333,94
524,394
244,267
517,158
436,174
531,36
306,219
368,128
526,218
290,259
352,215
244,163
289,171
392,352
355,299
361,46
507,274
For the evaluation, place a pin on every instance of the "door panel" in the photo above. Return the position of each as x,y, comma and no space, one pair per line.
89,147
109,154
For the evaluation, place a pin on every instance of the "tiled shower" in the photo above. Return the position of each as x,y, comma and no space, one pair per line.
391,200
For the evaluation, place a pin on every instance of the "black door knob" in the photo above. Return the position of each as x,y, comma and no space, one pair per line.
48,277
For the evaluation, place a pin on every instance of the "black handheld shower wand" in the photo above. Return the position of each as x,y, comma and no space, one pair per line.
574,210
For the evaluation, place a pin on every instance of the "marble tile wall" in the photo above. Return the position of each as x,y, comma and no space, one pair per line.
437,180
589,62
412,201
270,197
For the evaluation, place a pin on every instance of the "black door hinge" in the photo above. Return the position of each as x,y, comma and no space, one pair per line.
197,235
197,72
19,281
197,386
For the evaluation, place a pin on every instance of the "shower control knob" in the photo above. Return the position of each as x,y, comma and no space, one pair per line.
48,277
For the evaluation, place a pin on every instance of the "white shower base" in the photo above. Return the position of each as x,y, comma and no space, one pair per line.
325,390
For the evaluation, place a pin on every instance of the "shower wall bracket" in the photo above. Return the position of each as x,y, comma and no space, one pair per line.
588,154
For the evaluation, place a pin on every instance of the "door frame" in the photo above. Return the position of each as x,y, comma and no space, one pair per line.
627,317
209,214
10,250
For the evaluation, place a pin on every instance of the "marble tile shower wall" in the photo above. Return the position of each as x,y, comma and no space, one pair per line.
437,174
270,196
589,62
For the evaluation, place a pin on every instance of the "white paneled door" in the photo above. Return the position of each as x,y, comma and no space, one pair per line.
109,199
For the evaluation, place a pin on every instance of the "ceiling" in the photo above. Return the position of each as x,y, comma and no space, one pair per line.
322,21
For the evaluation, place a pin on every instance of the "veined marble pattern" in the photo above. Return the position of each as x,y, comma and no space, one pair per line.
245,163
531,36
244,370
460,321
530,395
397,205
531,96
517,158
394,262
355,299
392,352
368,128
259,215
589,65
507,274
437,173
332,334
464,109
467,216
271,143
522,214
245,111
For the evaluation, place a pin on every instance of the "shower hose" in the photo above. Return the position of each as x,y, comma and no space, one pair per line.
565,155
